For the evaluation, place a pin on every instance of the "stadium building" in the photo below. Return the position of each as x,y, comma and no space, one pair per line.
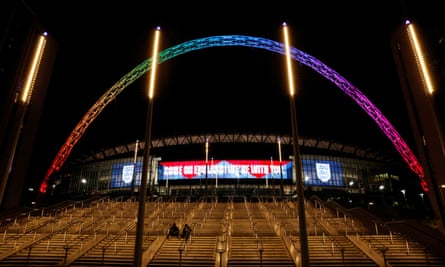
231,165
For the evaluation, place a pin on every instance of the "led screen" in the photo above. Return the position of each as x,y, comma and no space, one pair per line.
122,174
315,172
225,169
322,173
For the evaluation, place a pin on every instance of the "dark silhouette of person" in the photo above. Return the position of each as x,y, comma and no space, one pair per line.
173,231
186,231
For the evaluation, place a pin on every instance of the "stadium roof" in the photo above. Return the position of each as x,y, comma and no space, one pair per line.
306,143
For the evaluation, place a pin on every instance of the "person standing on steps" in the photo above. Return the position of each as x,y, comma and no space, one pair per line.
186,231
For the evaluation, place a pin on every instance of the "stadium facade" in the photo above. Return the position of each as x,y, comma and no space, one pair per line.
251,167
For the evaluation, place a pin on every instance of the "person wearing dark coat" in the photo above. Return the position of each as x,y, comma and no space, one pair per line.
186,231
173,231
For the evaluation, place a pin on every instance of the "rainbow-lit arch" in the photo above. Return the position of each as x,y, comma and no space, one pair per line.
237,40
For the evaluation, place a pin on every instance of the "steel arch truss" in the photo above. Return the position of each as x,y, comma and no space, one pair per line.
247,41
229,137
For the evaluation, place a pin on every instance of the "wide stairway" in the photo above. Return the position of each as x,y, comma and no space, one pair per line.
234,232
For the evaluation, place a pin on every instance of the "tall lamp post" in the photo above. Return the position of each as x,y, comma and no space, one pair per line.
281,167
298,166
207,165
143,187
381,189
134,167
403,191
215,171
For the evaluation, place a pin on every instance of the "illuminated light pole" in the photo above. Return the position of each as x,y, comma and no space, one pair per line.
298,165
271,175
84,182
134,166
418,89
403,191
382,188
143,187
216,175
166,185
351,186
18,117
207,165
281,167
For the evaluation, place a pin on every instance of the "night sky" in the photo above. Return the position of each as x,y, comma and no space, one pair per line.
227,89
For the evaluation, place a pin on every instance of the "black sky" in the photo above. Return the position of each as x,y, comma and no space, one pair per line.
228,88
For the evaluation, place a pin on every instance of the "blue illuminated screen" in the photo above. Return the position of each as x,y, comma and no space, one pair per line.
322,172
123,173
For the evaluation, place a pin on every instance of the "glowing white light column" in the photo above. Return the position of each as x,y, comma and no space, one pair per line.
143,187
33,70
297,160
22,109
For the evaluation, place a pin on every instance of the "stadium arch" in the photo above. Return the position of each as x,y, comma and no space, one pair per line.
246,41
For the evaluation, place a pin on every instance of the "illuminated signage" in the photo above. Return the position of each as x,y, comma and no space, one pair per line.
323,173
122,174
225,169
316,172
